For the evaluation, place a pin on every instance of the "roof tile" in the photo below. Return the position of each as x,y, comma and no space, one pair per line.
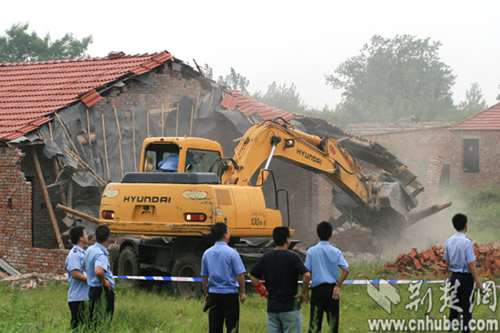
249,106
488,119
91,98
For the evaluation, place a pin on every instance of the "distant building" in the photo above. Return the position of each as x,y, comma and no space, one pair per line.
465,153
475,149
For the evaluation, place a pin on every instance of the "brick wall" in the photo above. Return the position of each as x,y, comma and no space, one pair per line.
167,88
489,158
298,183
16,220
310,199
415,148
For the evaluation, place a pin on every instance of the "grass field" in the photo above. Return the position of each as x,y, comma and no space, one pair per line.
155,309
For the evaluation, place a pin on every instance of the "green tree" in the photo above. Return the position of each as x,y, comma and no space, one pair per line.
287,98
18,45
474,102
393,80
282,96
234,80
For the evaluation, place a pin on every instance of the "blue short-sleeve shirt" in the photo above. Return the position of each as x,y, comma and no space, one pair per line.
97,256
221,264
323,261
78,290
459,252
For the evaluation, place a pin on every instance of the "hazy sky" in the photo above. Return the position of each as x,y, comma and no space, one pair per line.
282,41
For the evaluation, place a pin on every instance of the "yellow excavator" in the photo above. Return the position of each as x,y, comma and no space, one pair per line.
208,188
185,185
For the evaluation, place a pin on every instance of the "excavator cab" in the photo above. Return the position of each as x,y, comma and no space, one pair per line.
179,154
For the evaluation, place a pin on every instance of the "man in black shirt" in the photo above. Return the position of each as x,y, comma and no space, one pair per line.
280,269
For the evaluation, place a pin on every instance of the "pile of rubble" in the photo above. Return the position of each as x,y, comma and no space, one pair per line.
353,237
32,280
431,261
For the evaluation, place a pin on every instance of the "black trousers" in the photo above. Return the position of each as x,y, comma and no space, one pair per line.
101,297
76,309
321,302
223,306
464,296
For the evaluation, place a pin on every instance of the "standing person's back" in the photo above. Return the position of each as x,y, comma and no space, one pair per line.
459,254
222,272
323,261
280,269
99,276
78,291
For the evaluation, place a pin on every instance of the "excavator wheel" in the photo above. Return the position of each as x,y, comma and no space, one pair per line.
188,265
128,264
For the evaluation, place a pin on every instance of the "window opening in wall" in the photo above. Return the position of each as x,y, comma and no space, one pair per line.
445,174
471,155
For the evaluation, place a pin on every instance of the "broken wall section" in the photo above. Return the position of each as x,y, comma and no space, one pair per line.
15,222
107,137
87,147
43,234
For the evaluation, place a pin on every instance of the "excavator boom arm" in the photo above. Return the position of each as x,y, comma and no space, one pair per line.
267,140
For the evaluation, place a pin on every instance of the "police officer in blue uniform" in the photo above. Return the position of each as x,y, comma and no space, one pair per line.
99,276
323,260
222,273
459,255
78,291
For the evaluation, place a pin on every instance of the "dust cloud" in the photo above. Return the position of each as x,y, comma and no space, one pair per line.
433,230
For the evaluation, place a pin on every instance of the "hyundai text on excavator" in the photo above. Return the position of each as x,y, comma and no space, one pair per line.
180,207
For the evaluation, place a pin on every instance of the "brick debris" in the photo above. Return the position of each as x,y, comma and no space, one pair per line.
32,280
431,261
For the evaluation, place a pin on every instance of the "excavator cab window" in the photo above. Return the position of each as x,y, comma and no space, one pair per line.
158,154
200,160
